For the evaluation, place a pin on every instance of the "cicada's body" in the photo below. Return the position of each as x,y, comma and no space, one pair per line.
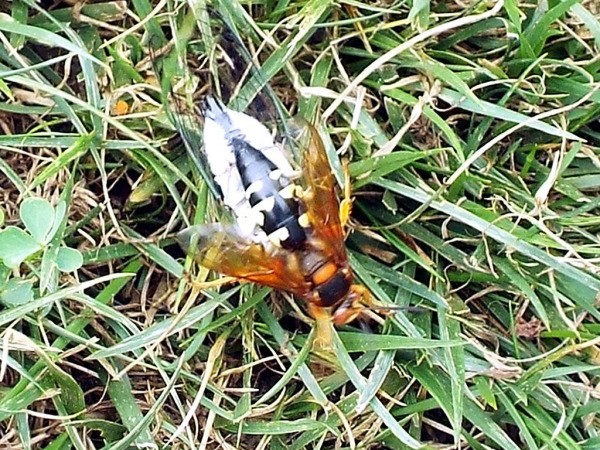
254,175
288,233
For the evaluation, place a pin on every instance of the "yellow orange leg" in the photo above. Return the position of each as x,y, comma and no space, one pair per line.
346,203
323,325
200,285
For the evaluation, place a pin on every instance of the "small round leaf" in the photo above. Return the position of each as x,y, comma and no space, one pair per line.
16,246
68,259
60,210
16,292
37,214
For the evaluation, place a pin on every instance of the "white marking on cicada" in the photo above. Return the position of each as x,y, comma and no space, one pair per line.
304,221
279,235
288,192
254,187
257,217
250,219
266,205
275,174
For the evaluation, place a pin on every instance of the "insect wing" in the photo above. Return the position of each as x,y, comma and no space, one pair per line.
224,249
320,199
187,128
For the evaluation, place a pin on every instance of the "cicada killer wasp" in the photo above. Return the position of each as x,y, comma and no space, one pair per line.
288,234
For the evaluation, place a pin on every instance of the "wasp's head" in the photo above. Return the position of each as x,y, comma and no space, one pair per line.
352,305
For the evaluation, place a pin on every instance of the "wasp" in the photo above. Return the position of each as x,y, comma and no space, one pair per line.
288,233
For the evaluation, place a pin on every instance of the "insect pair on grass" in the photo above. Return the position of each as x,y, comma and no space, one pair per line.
288,233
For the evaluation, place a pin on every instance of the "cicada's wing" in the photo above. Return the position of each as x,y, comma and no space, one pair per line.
223,249
186,124
320,198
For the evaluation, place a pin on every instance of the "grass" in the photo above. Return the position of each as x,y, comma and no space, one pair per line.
472,133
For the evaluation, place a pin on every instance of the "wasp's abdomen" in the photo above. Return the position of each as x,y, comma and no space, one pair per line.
271,196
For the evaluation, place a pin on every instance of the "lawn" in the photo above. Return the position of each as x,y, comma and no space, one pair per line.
468,136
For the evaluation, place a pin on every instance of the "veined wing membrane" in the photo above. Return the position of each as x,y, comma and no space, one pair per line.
320,198
222,249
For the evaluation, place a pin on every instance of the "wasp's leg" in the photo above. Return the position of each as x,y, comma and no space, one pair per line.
360,304
324,327
201,285
346,203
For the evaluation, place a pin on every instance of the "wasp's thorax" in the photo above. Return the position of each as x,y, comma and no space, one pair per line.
330,282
